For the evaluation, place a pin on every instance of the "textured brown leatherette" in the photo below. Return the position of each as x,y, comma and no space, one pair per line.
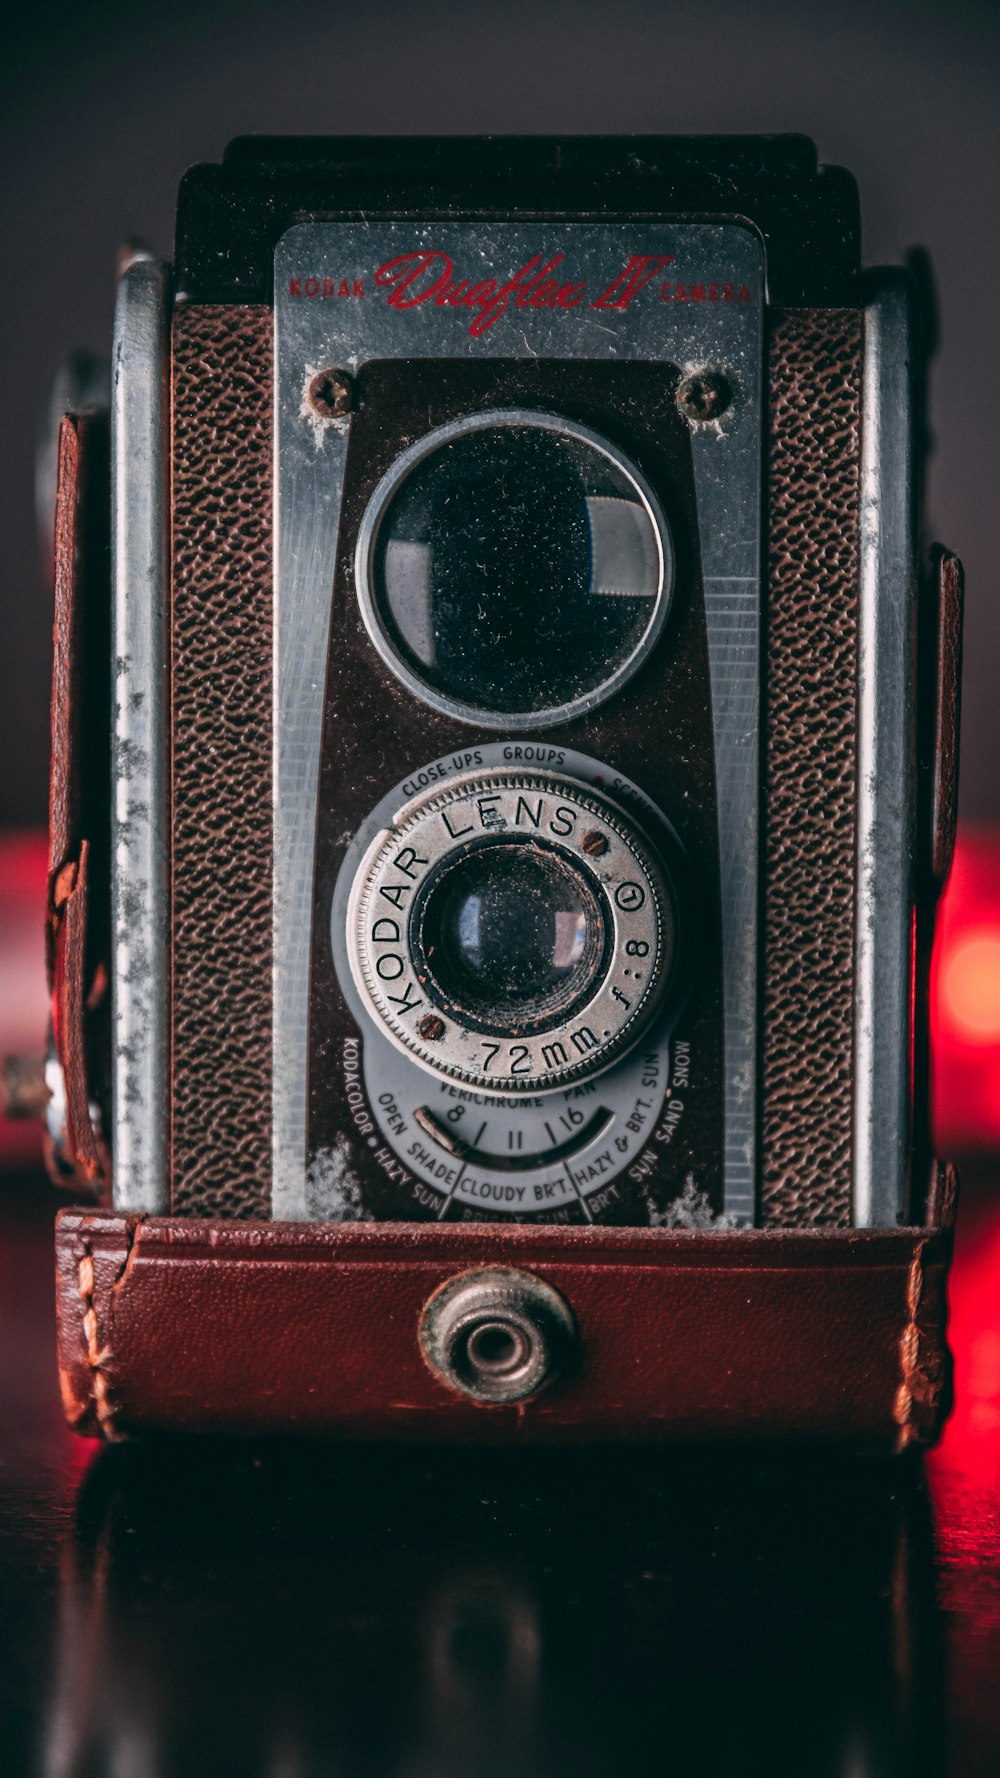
822,1336
220,700
811,760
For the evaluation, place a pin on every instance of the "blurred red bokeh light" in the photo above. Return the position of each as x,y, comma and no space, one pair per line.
23,999
965,1000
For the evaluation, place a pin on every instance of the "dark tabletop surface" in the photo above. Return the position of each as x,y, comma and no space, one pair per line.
298,1612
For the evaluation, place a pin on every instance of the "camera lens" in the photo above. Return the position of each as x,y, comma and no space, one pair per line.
512,935
512,930
513,568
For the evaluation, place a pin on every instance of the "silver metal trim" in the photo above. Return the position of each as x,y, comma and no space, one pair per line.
407,461
887,619
310,457
139,664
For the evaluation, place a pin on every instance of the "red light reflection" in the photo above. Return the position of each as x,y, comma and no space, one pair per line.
24,1007
965,1000
972,1440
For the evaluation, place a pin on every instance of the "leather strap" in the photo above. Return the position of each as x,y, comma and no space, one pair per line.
69,1017
64,781
939,710
947,712
77,914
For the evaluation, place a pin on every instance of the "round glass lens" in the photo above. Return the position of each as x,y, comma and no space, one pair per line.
511,934
516,569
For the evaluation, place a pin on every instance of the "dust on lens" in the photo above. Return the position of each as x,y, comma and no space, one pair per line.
517,569
511,936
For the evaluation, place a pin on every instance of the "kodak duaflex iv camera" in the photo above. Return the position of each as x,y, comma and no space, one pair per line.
505,758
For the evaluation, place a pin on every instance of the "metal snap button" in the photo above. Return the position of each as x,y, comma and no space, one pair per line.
497,1335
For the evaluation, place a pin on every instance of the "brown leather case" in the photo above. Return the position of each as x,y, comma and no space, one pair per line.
182,1325
217,1318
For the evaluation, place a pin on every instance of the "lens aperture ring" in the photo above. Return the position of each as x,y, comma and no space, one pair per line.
512,841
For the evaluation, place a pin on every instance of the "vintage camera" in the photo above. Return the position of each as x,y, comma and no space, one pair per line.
533,719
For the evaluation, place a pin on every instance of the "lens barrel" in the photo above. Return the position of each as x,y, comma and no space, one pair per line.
512,935
515,931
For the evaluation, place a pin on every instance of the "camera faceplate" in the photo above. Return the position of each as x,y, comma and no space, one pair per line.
614,355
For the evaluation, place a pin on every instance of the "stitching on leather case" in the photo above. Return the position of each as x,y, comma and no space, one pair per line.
917,1406
99,1354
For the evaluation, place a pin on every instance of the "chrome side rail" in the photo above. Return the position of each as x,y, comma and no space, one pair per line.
139,459
887,624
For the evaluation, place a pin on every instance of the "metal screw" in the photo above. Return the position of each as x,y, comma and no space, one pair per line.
330,394
704,396
430,1028
594,844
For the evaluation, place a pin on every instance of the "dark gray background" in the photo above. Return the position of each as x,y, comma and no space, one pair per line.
102,108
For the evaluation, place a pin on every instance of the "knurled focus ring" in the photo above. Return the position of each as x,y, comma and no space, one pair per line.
513,843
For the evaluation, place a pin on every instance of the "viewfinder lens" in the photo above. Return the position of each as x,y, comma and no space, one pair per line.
516,569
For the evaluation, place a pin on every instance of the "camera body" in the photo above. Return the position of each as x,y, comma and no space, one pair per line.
533,744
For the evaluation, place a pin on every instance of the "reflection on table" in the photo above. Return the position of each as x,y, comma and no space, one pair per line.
301,1611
